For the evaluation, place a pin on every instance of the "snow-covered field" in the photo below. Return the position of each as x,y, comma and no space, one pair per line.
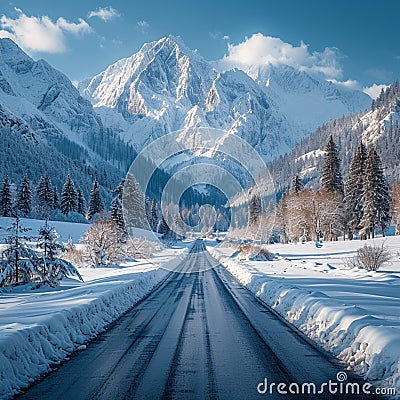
41,327
353,313
64,229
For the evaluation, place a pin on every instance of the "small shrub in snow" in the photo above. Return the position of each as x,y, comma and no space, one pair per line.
141,247
370,258
75,256
255,253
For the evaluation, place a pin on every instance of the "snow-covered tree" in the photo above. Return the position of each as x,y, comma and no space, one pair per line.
255,209
331,177
68,196
104,242
13,268
44,197
310,215
328,214
353,190
134,204
163,228
116,205
178,227
24,199
376,198
395,195
6,199
96,205
153,217
81,202
296,185
48,242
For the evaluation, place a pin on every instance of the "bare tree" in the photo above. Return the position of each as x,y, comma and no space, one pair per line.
395,194
370,257
104,242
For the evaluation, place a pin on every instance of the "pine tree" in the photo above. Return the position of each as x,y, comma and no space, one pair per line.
331,177
6,199
48,242
153,215
376,197
56,203
353,190
163,228
81,202
68,196
15,251
117,214
45,196
255,209
24,200
134,204
296,184
95,203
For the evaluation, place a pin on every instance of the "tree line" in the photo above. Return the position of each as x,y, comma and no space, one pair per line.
359,205
43,200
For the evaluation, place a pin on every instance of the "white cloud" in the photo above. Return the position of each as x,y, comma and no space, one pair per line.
350,84
105,13
375,90
218,36
260,50
40,34
143,25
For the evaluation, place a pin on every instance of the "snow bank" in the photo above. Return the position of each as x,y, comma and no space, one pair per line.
41,329
368,344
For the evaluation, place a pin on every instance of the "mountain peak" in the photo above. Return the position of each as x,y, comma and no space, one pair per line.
10,52
166,45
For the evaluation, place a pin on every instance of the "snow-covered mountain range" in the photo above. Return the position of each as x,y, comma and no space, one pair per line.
166,86
380,126
95,129
47,126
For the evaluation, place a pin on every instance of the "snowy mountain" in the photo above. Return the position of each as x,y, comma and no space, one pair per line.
162,88
165,87
380,125
60,129
307,101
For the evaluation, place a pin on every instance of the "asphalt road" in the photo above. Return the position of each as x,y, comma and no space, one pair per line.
198,336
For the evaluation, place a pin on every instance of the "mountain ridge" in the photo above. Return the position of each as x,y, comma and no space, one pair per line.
380,126
165,86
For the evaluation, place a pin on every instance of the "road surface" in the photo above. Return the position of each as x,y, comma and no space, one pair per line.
198,336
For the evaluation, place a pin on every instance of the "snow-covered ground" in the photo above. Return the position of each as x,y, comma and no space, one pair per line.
41,327
64,229
353,313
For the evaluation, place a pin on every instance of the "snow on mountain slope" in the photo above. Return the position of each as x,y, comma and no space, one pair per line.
36,91
380,125
62,131
307,101
165,87
374,125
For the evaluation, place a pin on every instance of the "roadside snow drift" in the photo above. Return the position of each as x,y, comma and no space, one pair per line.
353,313
42,327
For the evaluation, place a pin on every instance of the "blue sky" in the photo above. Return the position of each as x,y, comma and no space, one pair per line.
353,41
